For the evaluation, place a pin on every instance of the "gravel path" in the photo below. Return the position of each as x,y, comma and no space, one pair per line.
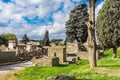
14,67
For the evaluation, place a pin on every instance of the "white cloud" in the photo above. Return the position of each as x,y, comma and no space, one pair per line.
60,17
12,13
98,8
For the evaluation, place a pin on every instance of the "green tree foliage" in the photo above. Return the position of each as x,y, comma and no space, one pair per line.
108,25
76,28
9,36
34,40
5,37
41,42
3,40
46,39
56,41
25,39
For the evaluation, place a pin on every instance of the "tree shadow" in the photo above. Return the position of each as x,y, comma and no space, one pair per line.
105,55
83,79
62,65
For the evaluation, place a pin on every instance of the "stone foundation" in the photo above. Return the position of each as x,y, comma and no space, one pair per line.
81,55
46,61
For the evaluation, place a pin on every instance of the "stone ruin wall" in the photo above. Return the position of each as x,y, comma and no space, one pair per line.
118,48
72,52
7,57
27,52
58,52
49,53
46,61
55,55
72,47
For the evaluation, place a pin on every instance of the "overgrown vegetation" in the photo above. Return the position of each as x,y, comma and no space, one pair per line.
108,69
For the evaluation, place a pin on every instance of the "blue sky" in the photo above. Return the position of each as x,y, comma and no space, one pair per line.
34,17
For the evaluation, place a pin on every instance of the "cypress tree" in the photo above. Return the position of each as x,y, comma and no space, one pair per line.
76,28
46,39
108,25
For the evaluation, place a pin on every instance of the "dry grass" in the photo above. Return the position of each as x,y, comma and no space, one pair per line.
9,76
109,72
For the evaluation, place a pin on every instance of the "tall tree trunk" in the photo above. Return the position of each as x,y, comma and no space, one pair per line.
91,36
114,52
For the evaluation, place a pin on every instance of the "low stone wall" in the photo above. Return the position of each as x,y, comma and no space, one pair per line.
46,61
10,56
84,55
13,56
22,54
81,55
7,57
7,53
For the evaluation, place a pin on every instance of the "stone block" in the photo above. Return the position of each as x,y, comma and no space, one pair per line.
46,61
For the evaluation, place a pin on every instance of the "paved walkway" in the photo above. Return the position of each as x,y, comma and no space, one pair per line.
9,68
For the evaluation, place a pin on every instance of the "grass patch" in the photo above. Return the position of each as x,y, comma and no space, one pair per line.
108,69
37,73
9,76
108,61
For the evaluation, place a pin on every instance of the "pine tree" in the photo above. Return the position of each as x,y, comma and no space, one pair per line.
25,39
